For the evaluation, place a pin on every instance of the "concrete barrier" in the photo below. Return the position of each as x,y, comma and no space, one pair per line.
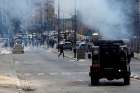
137,55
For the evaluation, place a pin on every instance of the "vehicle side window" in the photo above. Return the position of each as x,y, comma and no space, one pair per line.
82,46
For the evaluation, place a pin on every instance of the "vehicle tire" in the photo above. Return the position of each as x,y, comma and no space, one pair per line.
127,77
94,81
89,56
126,80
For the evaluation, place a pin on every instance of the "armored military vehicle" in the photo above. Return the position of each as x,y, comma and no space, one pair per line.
18,47
111,60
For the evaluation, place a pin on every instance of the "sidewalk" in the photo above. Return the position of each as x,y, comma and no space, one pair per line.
8,79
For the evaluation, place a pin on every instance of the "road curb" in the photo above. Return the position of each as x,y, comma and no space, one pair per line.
135,77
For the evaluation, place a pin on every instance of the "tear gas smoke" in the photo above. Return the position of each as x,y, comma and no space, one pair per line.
112,18
22,10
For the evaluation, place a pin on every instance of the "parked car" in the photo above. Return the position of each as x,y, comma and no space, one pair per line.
68,45
83,45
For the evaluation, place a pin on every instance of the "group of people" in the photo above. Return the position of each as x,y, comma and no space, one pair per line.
51,43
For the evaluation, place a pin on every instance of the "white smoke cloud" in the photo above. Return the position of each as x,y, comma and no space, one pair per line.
110,17
16,8
20,9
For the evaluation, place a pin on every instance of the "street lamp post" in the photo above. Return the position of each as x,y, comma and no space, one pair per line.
137,23
75,29
42,15
58,23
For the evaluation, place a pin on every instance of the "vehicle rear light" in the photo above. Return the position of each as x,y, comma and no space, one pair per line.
96,68
96,65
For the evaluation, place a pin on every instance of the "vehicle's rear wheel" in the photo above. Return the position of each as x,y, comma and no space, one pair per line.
126,80
127,76
94,81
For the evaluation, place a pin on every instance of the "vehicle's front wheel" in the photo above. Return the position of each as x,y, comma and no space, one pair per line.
94,81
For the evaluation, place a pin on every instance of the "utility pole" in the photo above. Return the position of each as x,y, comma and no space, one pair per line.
75,29
137,25
43,18
42,15
64,32
58,23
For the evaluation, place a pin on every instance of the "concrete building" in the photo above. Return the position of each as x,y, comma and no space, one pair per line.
135,40
44,16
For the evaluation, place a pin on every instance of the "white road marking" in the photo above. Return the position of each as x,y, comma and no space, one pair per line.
41,74
71,60
53,74
80,80
65,73
82,60
68,73
27,74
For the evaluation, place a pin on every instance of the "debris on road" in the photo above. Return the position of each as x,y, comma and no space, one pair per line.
6,81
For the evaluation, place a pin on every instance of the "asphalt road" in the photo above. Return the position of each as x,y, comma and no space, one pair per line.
41,71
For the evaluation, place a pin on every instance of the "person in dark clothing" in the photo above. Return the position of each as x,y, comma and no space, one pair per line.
61,50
